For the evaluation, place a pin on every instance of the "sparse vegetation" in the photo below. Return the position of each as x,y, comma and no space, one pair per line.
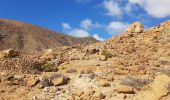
49,67
137,83
106,53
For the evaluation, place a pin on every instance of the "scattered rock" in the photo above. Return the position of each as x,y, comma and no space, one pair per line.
32,82
44,82
59,81
104,83
9,53
136,27
48,55
125,89
79,93
97,96
155,90
102,58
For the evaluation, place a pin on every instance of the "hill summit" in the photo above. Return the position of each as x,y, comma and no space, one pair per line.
31,38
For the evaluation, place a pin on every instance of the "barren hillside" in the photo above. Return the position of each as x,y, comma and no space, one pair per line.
30,38
131,66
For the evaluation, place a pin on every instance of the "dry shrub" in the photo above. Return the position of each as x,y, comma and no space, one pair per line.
137,83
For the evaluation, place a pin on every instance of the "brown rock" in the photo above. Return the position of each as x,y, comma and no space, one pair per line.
59,81
125,89
79,93
32,82
155,90
104,83
97,96
136,27
44,82
9,53
102,58
48,55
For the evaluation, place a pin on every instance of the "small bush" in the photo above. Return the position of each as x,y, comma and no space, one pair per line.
106,53
137,83
49,67
164,71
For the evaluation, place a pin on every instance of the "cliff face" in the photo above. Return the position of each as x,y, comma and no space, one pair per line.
30,38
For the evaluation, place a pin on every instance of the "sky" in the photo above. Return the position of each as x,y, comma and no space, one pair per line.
100,19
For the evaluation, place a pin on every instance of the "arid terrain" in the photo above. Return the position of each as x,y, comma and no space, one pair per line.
30,38
131,66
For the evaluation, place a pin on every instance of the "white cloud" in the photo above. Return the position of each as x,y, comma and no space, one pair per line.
128,8
82,32
79,33
88,24
66,26
155,8
116,27
97,37
74,32
113,8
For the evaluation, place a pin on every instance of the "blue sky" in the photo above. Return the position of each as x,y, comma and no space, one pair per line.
97,18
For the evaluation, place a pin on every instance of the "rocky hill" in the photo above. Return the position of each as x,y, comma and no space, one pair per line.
30,38
131,66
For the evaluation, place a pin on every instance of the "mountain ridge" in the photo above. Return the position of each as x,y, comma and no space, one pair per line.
32,38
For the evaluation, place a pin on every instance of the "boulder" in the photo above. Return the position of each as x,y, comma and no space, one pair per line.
102,58
44,82
97,96
156,90
104,83
48,55
31,82
59,81
79,93
8,53
125,89
136,27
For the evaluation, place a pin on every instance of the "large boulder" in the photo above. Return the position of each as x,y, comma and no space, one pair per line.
136,27
156,90
48,55
58,79
8,53
125,89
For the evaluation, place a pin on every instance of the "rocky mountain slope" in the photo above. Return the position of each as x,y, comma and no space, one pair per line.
131,66
30,38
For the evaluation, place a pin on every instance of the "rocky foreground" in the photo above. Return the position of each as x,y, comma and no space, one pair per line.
131,66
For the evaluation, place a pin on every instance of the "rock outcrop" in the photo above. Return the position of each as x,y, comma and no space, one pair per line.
136,27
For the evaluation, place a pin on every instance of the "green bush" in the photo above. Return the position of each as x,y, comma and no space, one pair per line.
49,67
106,53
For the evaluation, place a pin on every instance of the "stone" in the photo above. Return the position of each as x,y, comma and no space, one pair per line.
110,77
79,93
16,82
59,81
97,96
9,53
102,58
159,88
53,89
32,82
104,83
48,55
46,89
125,89
44,82
136,27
